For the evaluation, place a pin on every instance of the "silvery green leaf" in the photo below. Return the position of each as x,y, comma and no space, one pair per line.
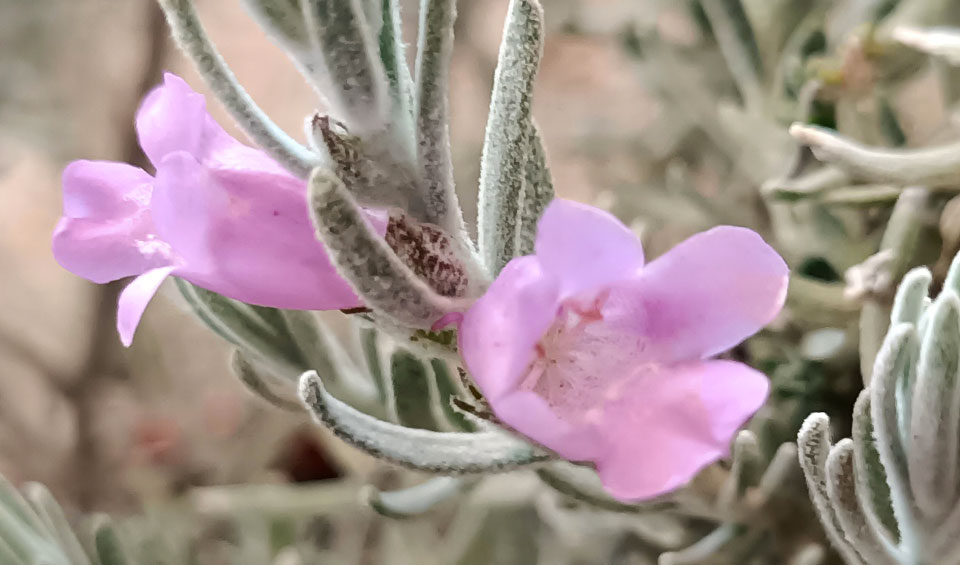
365,260
283,19
414,397
870,475
434,52
537,193
448,389
20,543
941,42
372,170
745,469
705,548
814,448
55,523
895,365
256,330
738,45
258,381
952,280
415,500
392,54
193,40
370,350
349,49
842,489
108,544
935,416
909,302
506,144
436,452
932,166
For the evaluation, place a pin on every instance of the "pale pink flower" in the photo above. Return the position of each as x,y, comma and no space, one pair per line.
597,357
218,213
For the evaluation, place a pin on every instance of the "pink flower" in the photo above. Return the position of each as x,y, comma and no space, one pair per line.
218,213
599,358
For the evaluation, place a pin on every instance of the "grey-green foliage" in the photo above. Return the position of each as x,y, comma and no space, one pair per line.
436,452
386,284
34,530
889,494
506,147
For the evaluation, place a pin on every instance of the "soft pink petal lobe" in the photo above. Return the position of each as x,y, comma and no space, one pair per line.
529,414
247,235
585,247
134,300
106,233
665,427
499,333
704,296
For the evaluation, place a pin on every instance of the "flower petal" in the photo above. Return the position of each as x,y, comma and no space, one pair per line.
585,247
247,234
106,232
173,117
104,190
134,300
703,297
666,426
529,414
499,333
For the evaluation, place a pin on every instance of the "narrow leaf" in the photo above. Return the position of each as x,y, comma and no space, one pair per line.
935,415
350,50
258,383
109,546
256,330
911,296
895,364
505,146
842,490
415,500
932,166
413,397
738,45
365,260
870,474
193,40
51,514
942,42
814,443
436,452
434,52
537,193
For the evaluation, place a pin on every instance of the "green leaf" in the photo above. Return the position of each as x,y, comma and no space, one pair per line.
911,297
871,475
434,52
364,259
935,413
507,140
417,499
109,546
930,166
345,42
537,194
436,452
412,393
842,489
895,364
814,448
258,331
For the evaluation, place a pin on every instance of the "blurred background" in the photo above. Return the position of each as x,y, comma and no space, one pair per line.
640,114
